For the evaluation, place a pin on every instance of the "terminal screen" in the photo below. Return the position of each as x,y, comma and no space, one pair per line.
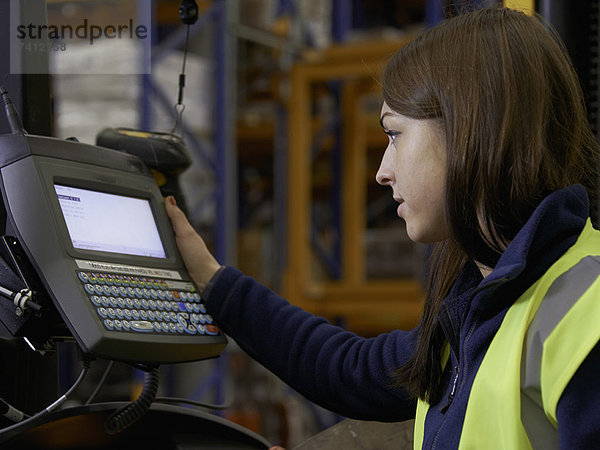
106,222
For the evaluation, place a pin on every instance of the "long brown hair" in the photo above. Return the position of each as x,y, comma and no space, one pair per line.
508,98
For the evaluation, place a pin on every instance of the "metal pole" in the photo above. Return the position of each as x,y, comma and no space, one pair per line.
145,11
226,195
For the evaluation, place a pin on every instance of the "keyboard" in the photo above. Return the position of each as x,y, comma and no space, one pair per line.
137,304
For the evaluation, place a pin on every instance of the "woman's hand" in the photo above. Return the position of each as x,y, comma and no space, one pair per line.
200,263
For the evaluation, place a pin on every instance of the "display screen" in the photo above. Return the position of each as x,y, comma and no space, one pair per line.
109,223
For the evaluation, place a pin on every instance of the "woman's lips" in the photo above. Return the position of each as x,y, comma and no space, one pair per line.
401,202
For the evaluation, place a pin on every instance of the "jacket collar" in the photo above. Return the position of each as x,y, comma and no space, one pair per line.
553,227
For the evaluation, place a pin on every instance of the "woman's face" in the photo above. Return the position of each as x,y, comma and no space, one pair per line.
414,166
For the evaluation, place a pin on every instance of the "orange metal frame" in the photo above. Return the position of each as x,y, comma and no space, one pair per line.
366,306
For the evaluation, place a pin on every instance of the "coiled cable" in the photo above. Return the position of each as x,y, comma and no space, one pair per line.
129,414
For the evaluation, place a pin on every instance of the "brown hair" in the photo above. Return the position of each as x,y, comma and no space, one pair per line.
512,109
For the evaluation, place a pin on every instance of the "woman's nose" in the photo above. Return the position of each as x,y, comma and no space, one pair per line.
385,174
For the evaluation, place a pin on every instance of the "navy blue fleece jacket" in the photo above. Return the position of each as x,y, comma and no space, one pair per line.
352,375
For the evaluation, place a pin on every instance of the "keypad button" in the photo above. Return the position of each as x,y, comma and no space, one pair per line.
89,289
141,325
109,324
83,277
102,312
96,300
213,330
182,321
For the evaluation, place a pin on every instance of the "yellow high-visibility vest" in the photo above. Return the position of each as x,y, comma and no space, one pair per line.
544,337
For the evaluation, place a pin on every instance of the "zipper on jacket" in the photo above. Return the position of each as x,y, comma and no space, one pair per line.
448,402
465,365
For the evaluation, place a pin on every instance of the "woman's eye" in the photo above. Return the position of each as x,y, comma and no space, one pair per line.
392,134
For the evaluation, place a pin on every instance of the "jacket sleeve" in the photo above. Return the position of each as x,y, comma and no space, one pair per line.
578,414
347,374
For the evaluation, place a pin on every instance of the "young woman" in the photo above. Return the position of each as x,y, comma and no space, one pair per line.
492,161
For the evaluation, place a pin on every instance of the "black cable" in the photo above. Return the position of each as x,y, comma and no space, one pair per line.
16,126
188,14
190,402
51,407
100,383
129,414
182,74
11,413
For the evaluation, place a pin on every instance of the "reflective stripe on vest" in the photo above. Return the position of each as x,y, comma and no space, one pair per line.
543,339
540,366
